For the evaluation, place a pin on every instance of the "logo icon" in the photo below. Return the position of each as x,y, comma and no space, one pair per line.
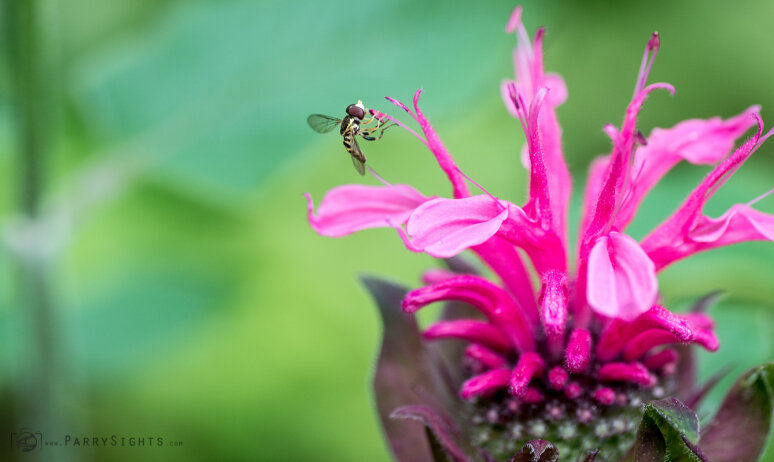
27,441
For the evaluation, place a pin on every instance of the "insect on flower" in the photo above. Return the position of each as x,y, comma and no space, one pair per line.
573,367
353,124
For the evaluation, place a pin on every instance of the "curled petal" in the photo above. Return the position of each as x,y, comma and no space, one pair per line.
644,342
349,208
485,356
529,365
623,372
621,278
470,330
488,298
740,223
485,383
618,333
701,142
578,353
688,231
446,227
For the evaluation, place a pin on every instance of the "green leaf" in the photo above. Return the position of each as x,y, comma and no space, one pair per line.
739,430
668,433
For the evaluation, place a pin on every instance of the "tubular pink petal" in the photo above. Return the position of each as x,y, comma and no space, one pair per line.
514,20
675,238
618,333
470,330
662,358
621,279
618,174
578,353
506,262
349,208
596,179
625,372
485,356
554,297
640,344
696,141
445,160
644,342
529,366
605,396
558,377
533,85
486,297
485,383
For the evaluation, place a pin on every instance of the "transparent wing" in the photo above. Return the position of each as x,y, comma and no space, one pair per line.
358,159
322,123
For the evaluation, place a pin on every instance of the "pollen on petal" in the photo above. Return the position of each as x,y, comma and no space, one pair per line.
485,383
578,354
529,365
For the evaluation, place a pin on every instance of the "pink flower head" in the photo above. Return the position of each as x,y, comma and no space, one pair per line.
585,338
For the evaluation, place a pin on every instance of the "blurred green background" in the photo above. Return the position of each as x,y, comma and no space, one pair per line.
170,285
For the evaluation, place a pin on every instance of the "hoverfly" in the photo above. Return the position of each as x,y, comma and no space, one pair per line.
354,123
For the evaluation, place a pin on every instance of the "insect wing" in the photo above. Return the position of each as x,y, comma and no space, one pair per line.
322,123
358,159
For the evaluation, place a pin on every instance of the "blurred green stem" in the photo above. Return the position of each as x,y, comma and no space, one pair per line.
32,117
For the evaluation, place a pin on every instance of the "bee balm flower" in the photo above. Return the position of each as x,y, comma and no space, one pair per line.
573,363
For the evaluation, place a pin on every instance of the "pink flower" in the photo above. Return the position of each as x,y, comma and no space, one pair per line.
596,336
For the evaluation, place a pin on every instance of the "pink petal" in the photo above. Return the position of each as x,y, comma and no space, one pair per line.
622,372
485,356
442,156
533,84
349,208
688,231
470,330
445,227
740,223
700,142
507,263
618,172
485,383
621,278
578,354
483,295
618,333
554,298
529,365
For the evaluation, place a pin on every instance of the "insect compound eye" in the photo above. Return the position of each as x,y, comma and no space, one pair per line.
355,111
